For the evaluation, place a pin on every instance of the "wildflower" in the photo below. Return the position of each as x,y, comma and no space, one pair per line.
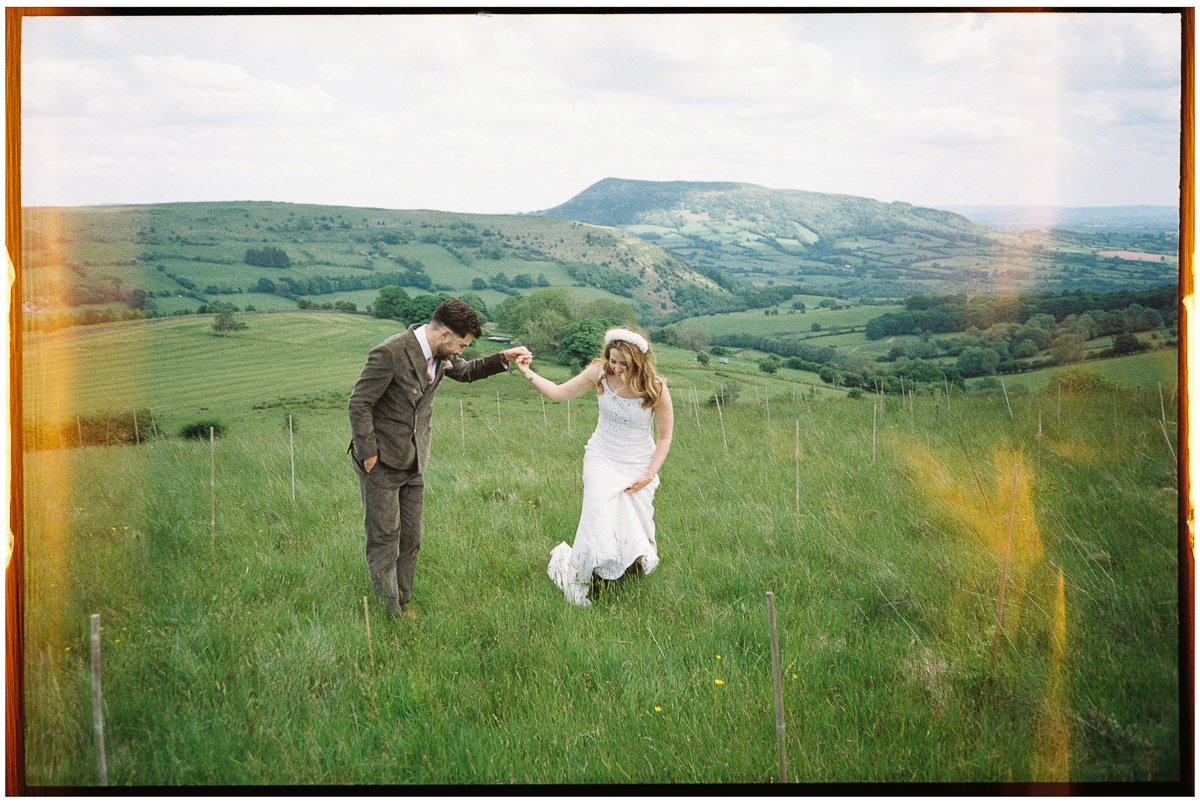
718,656
718,682
658,709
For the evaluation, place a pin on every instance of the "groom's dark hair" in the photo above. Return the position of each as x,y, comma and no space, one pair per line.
458,317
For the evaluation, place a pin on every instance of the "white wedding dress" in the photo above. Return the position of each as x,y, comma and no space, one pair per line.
615,529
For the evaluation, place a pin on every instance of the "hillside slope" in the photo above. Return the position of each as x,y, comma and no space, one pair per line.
850,244
186,253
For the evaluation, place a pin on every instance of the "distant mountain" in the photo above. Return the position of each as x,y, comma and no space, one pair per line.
858,246
1111,219
806,217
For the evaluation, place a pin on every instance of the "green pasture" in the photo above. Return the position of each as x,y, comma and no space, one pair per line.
788,321
1143,372
235,646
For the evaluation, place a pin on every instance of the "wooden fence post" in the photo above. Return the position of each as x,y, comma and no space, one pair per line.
98,705
797,475
292,451
212,481
779,726
874,428
721,416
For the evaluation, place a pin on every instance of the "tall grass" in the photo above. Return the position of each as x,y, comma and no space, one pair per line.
247,662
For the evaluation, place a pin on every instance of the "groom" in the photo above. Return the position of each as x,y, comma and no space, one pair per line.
391,419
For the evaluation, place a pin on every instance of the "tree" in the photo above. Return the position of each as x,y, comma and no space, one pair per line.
1125,343
1024,348
140,300
477,304
268,257
609,308
421,308
226,323
769,365
1067,348
978,362
392,302
581,341
543,332
514,313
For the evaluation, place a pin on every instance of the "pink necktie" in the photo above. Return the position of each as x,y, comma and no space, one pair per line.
430,371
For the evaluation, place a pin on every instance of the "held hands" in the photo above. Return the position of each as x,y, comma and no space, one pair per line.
523,362
516,353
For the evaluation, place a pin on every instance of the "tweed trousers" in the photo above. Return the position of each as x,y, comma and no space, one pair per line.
393,503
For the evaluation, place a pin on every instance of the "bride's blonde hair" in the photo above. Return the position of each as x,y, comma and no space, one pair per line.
641,377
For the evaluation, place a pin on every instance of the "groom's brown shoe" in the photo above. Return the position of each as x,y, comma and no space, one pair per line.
387,595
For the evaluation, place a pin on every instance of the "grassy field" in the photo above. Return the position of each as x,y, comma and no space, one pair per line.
236,652
787,322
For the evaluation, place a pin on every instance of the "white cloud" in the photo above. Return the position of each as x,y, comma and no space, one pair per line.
519,112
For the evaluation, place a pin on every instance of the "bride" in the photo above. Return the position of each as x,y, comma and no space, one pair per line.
620,464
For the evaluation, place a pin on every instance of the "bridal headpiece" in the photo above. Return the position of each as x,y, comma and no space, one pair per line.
627,335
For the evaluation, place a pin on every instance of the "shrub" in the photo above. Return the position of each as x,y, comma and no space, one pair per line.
727,393
1078,380
199,430
769,365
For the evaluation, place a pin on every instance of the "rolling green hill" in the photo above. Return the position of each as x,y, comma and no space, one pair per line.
859,246
667,250
177,256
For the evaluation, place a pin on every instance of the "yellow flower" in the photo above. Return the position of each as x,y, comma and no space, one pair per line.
658,709
718,681
718,656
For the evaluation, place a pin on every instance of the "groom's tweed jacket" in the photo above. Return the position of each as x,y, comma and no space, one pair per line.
391,406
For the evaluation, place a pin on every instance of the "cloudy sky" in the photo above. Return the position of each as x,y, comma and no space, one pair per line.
516,113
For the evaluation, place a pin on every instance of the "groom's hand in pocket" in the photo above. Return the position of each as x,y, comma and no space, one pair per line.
369,463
